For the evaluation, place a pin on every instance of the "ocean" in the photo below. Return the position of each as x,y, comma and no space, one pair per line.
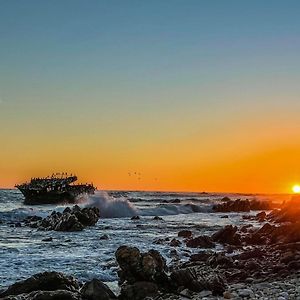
84,254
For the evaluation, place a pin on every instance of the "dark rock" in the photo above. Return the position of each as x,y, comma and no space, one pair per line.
241,205
75,219
139,290
136,266
201,256
261,217
227,235
225,217
47,281
200,242
134,218
175,243
157,218
185,233
97,290
196,281
104,237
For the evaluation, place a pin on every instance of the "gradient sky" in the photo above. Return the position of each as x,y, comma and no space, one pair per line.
194,95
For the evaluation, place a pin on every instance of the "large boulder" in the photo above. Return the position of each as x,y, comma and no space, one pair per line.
47,281
137,266
139,290
227,235
97,290
197,280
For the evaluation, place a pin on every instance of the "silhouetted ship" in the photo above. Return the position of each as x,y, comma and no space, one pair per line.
58,188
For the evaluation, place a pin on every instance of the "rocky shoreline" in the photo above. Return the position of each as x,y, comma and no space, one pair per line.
257,262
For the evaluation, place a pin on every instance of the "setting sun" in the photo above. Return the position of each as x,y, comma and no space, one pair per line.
296,189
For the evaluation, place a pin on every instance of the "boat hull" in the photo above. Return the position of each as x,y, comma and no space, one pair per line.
33,197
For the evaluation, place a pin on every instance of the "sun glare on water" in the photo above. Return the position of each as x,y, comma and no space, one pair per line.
296,189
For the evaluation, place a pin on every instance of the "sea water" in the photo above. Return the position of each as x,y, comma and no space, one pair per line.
86,256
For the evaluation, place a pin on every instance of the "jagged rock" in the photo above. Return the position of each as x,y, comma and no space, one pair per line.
139,290
136,266
72,219
47,281
97,290
135,218
195,280
175,243
227,235
200,242
261,217
241,205
201,256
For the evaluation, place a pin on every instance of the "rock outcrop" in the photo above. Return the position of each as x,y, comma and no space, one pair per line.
71,219
241,205
57,286
47,281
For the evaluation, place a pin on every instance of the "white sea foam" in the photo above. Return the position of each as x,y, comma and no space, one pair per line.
111,207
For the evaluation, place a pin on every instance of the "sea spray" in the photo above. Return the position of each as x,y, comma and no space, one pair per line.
111,207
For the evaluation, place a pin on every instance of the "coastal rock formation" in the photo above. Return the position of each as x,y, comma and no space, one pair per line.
56,286
227,235
47,281
97,290
200,242
136,266
71,219
144,274
241,205
197,279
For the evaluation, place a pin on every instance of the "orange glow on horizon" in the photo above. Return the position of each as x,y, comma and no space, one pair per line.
296,189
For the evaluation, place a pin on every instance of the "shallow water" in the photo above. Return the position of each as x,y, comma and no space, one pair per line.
84,254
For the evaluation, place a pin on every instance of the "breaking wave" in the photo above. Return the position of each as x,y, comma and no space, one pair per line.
111,207
171,209
121,207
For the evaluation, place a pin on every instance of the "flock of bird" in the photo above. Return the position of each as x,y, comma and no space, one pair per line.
137,175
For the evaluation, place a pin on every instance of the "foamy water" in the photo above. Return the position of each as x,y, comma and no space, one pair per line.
84,254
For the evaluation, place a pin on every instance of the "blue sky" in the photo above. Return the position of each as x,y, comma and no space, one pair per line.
141,73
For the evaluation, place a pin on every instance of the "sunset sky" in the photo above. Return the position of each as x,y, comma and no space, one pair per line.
194,95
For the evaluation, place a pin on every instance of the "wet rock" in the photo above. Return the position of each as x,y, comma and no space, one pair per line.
97,290
157,218
261,217
200,242
134,218
47,281
175,243
136,266
185,234
227,235
201,256
104,237
197,280
139,291
72,219
241,205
